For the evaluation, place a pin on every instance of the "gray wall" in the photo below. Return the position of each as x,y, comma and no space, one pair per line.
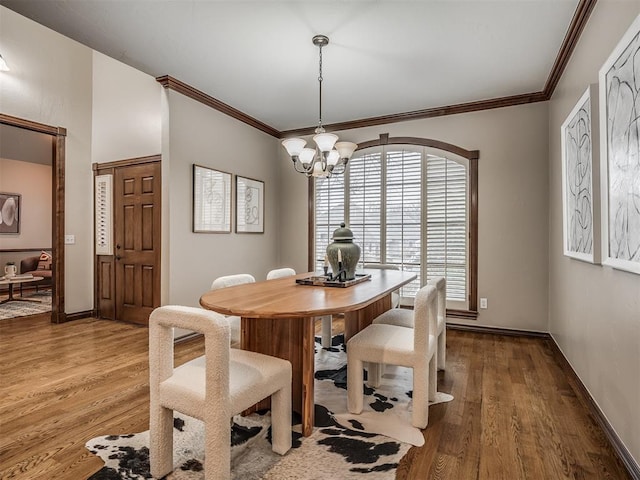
195,133
513,196
594,312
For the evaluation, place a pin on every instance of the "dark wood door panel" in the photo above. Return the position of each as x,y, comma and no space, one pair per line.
106,290
137,235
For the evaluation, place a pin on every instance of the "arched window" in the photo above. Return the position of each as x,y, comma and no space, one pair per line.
411,203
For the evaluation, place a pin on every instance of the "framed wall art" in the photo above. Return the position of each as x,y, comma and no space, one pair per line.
580,188
211,200
10,205
620,153
249,205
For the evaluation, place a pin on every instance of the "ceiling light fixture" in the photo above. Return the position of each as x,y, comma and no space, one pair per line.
324,160
3,65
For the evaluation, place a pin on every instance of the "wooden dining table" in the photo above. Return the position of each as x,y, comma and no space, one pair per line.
278,319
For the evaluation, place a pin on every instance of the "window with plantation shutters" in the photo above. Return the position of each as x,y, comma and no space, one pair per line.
403,215
329,213
365,201
446,227
406,207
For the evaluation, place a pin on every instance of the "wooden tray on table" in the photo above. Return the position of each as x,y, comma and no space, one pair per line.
322,281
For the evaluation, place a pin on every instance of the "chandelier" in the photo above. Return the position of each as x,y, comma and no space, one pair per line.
324,160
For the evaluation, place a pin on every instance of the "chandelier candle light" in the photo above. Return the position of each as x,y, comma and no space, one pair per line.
324,160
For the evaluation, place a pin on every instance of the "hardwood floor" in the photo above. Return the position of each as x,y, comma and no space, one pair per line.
515,415
65,384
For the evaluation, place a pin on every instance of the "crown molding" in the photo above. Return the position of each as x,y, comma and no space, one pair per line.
578,22
425,113
174,84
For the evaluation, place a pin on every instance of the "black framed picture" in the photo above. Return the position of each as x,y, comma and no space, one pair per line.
10,204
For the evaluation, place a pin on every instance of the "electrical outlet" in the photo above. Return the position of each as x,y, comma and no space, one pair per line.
69,239
483,303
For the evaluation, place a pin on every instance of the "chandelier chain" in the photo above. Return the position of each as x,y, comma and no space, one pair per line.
324,160
320,88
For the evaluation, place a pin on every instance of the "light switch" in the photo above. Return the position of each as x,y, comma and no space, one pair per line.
69,239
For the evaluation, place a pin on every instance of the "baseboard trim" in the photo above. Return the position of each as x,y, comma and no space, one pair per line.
581,391
78,315
618,446
496,330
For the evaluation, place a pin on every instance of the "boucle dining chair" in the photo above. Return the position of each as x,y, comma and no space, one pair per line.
380,344
395,295
212,388
441,326
230,281
280,273
326,319
404,318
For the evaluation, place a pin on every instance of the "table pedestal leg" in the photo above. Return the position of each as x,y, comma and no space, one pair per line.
359,319
10,298
293,340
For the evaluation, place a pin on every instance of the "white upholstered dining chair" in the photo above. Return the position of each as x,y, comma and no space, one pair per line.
404,318
441,326
326,319
230,281
280,273
212,388
380,344
395,295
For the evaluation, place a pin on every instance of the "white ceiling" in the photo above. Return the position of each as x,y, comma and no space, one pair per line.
384,57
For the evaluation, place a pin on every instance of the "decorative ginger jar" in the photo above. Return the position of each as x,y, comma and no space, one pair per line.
344,248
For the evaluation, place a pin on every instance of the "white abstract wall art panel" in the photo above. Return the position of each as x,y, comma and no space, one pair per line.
249,205
579,139
620,153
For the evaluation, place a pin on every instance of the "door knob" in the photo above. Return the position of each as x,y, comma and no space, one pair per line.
118,257
118,246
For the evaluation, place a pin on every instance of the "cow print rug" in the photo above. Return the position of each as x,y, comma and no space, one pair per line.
342,445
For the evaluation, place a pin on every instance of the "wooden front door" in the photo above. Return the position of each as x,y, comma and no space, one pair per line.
137,237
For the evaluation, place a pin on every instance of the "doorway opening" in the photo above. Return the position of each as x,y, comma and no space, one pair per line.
24,138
